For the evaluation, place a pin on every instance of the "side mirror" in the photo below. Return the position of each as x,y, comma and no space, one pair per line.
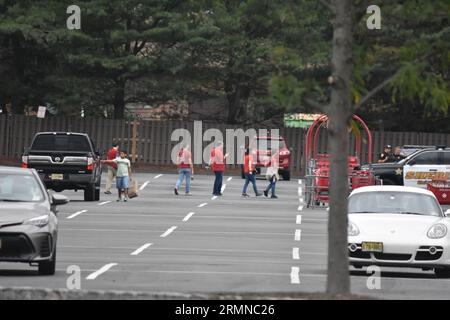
59,200
447,213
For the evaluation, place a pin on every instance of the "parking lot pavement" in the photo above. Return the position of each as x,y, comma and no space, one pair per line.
160,242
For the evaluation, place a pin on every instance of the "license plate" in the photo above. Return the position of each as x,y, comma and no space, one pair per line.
372,246
57,176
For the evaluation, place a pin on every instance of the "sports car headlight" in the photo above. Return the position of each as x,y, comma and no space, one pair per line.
352,229
437,231
40,221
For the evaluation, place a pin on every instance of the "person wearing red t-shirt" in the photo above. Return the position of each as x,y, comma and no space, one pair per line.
217,164
112,154
248,173
185,169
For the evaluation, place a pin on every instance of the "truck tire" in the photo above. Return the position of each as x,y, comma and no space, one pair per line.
97,191
89,193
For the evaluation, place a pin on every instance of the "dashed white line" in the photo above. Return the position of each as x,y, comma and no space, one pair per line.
300,181
298,219
229,179
300,208
169,231
296,253
295,275
158,176
202,205
103,269
214,198
76,214
223,188
298,235
140,249
145,184
188,216
103,203
300,191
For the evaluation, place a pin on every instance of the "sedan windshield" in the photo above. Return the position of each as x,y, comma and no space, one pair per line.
394,202
20,188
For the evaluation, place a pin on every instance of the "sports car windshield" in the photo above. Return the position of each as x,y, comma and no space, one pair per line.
395,203
19,188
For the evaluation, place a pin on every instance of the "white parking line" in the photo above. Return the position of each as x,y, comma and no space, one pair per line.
295,277
140,249
169,231
300,181
214,198
296,253
229,179
223,188
103,269
76,214
188,216
298,235
145,184
202,205
300,208
158,176
103,203
300,191
299,219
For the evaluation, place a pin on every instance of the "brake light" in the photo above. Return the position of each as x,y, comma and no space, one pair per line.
24,161
90,164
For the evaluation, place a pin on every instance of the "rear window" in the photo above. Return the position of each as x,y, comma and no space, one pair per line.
53,142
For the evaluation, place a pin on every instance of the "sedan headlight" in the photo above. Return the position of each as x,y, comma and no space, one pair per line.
40,221
437,231
352,229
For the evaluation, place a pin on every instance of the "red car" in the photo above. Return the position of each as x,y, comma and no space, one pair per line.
262,148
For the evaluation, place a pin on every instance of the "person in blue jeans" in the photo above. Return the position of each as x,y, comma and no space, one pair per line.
185,169
272,174
248,174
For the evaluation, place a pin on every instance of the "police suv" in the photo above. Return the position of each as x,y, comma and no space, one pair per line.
416,170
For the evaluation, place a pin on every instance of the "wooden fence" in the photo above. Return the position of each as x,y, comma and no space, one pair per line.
150,141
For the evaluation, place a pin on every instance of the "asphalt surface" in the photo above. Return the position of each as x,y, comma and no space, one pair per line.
159,242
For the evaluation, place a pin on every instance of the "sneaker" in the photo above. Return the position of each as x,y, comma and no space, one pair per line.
266,193
118,200
245,195
125,200
108,192
258,194
176,191
274,197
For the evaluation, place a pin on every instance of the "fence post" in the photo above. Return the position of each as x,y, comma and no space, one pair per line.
135,125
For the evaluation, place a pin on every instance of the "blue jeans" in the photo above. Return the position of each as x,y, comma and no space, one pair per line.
272,185
184,173
122,182
218,182
249,178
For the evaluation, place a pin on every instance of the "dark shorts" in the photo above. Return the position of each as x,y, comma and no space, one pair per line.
122,182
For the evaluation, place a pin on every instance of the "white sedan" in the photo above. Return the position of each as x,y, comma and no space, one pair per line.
398,226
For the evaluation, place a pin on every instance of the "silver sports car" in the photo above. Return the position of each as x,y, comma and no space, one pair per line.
399,227
28,223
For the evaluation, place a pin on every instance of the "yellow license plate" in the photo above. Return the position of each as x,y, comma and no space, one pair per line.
372,246
57,176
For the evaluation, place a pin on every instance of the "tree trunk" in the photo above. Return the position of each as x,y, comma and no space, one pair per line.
119,100
338,281
237,97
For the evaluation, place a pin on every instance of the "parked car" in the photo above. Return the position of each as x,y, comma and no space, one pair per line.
398,227
66,161
262,148
28,222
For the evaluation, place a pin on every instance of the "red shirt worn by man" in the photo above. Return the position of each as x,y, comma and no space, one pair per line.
248,163
112,154
217,159
184,159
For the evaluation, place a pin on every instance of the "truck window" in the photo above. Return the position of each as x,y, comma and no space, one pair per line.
427,158
51,142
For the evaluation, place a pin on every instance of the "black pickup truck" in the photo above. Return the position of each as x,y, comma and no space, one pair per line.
66,161
415,170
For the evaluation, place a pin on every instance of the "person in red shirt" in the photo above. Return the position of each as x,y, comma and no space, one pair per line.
113,153
217,164
248,173
185,169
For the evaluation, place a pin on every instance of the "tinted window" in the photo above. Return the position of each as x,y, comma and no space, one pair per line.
394,202
427,158
53,142
18,187
447,157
